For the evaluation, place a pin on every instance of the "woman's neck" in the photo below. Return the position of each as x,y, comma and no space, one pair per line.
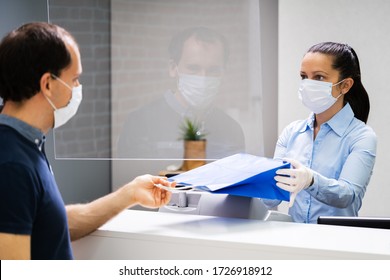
326,116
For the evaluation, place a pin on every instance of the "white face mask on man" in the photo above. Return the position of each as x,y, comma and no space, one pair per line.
64,114
317,95
198,91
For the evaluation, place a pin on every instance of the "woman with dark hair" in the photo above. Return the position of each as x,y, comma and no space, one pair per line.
332,153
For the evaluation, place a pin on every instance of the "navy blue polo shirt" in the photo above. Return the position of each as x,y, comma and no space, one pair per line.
30,202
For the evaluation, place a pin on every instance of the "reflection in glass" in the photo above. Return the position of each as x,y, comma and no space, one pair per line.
198,57
148,65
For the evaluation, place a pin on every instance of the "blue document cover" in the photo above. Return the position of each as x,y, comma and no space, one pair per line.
240,174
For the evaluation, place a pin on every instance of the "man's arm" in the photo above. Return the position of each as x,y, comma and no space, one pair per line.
14,246
85,218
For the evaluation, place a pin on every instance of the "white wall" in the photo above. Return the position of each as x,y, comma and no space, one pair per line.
363,24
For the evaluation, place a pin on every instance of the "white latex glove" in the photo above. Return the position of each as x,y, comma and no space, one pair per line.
294,179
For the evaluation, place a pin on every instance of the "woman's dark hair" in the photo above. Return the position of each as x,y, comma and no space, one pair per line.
26,54
346,62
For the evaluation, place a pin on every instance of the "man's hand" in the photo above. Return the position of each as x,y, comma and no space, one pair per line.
145,193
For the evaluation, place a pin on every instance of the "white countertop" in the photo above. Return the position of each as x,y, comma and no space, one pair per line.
137,234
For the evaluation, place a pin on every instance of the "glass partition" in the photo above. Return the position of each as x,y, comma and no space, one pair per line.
151,66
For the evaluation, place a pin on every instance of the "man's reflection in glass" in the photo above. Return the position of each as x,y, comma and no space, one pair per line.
198,58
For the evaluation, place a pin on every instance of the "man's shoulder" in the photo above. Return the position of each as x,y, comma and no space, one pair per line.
9,135
222,117
14,147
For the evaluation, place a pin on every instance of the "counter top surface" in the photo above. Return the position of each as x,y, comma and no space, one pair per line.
249,235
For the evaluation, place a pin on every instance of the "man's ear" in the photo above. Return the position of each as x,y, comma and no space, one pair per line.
172,69
46,84
346,85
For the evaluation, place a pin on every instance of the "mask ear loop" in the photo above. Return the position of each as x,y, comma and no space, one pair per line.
51,103
177,93
47,98
61,81
177,76
177,80
341,93
338,83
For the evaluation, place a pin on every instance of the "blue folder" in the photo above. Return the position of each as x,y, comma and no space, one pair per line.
240,174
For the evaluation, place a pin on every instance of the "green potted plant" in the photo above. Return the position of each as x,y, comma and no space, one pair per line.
191,131
194,144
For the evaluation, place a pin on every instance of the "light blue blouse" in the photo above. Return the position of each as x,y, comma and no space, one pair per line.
342,157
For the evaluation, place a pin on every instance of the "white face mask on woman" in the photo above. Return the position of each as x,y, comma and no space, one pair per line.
317,95
64,114
198,91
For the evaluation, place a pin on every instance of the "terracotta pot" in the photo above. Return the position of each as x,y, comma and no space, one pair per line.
194,154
